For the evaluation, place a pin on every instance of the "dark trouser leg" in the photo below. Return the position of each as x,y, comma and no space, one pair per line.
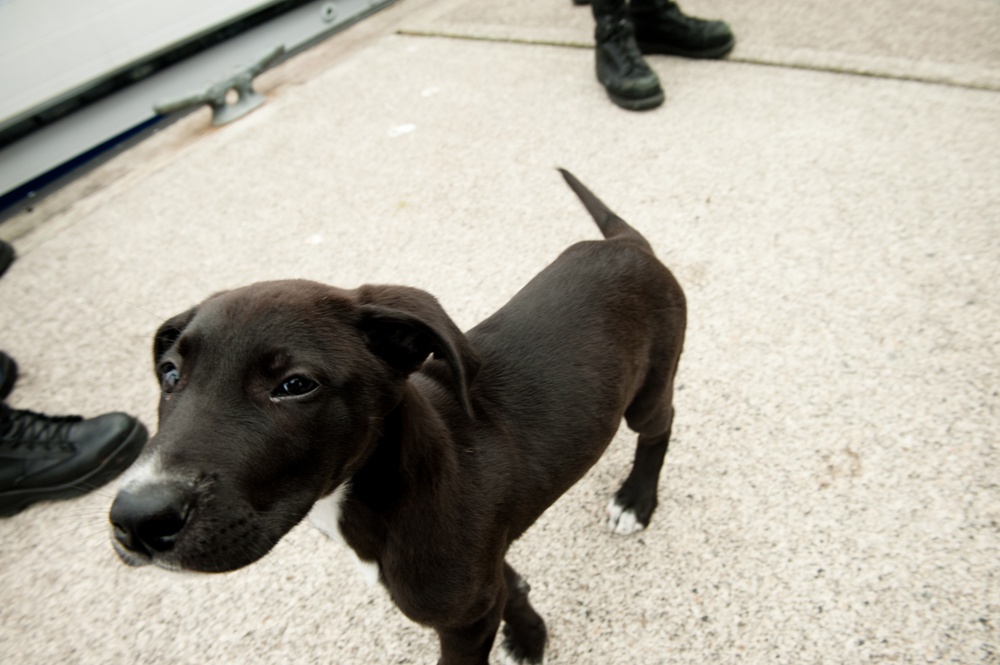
607,7
661,27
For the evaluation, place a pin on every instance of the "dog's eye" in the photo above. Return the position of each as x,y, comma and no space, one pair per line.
169,376
295,386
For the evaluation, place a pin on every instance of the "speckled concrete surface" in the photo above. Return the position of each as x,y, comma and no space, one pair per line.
831,493
955,43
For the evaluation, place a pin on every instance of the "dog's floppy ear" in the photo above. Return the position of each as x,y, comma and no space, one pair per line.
405,325
168,333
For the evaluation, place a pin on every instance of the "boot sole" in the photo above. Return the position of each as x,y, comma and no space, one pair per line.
631,104
15,501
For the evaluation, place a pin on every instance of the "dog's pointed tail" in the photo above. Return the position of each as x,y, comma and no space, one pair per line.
611,225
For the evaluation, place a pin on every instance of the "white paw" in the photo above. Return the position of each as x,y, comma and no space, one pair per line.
507,658
622,521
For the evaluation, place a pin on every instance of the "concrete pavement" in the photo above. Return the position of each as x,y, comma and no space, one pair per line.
828,198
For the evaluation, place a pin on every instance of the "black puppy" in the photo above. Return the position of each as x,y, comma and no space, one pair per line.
284,397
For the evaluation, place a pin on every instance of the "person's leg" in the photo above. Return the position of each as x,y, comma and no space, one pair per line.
57,457
661,27
621,69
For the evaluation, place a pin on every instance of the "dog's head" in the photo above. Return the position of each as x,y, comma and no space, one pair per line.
272,395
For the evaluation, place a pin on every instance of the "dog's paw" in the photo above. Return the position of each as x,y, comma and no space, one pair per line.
622,519
509,656
524,640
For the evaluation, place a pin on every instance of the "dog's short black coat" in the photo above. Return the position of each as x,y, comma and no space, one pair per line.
279,394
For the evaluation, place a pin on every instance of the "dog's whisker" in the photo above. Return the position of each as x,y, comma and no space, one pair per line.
156,317
76,528
97,489
83,515
106,490
97,539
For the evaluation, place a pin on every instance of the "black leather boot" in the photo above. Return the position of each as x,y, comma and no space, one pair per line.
661,27
629,81
43,458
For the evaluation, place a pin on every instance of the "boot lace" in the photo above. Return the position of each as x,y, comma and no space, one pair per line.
30,429
618,38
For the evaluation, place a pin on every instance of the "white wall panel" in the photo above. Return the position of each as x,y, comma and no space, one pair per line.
49,48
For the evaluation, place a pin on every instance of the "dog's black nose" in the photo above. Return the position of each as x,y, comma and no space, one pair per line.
148,520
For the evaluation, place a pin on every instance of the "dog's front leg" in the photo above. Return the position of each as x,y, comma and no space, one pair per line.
471,644
524,632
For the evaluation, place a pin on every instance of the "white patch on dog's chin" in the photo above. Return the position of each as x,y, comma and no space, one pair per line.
325,516
621,520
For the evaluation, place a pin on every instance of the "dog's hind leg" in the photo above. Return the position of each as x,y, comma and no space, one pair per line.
651,414
524,632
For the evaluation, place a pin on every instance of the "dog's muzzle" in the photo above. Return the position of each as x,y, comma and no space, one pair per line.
147,521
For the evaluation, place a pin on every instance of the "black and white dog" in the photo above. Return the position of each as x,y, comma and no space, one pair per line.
282,398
